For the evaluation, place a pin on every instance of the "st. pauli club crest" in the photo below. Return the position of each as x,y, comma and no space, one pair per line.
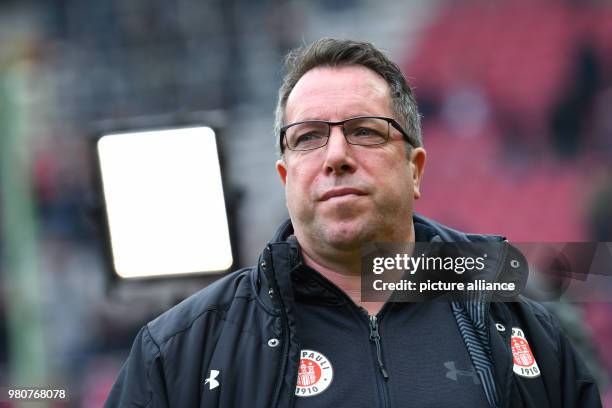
315,374
525,364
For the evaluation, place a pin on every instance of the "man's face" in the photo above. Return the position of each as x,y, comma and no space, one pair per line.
344,195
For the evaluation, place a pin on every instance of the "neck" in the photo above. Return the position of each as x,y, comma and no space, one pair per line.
349,283
343,268
342,263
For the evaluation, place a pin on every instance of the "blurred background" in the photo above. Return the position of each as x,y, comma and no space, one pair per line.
516,97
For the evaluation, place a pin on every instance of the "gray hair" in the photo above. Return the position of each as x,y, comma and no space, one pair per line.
335,52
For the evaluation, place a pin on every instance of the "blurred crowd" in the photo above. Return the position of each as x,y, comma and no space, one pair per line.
516,99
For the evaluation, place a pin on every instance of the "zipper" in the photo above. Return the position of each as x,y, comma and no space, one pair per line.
375,337
381,382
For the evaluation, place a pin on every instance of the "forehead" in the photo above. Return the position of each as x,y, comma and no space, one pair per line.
335,93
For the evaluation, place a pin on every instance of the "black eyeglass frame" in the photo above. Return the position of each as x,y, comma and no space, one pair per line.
391,121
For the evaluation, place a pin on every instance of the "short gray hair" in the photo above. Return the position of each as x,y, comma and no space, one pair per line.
336,52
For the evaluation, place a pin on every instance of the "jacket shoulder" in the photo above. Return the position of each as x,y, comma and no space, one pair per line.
541,323
544,316
449,234
217,296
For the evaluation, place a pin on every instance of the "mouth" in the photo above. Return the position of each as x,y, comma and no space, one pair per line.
341,192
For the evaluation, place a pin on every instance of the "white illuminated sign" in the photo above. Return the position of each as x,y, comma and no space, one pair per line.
164,202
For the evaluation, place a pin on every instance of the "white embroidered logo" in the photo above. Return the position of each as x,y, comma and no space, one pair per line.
212,383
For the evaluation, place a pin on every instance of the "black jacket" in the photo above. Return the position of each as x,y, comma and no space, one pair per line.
244,326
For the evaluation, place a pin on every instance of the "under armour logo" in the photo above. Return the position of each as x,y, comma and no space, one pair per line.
212,383
453,373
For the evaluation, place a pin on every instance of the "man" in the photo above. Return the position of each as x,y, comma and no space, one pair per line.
294,332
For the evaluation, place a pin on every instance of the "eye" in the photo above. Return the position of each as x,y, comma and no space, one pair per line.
365,132
309,137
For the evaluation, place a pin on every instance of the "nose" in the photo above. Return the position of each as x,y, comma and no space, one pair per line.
339,155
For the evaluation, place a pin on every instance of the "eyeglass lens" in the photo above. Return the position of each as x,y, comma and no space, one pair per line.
360,131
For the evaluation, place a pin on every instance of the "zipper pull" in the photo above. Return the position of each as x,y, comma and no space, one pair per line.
375,337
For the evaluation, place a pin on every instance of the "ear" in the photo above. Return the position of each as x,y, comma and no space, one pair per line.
282,170
418,158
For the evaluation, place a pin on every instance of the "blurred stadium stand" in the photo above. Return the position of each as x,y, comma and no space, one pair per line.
516,97
511,86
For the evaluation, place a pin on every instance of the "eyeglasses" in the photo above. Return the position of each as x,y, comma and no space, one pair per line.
361,131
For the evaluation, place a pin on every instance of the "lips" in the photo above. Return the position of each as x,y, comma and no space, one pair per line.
339,192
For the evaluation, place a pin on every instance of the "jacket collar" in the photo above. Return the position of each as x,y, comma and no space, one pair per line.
282,259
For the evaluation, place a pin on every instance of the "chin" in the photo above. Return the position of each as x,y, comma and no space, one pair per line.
347,235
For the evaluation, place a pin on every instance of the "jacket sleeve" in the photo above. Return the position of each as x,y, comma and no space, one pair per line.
140,382
578,386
